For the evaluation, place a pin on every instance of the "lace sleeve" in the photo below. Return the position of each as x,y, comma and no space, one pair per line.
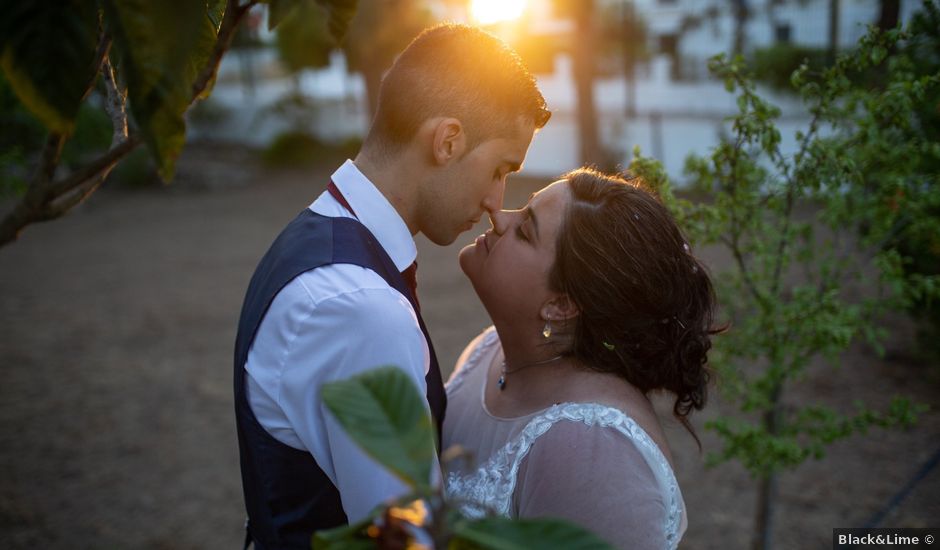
596,477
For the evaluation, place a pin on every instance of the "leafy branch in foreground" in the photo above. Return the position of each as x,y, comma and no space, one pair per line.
384,414
154,58
813,241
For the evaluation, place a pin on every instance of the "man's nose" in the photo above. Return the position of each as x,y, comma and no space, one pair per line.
493,201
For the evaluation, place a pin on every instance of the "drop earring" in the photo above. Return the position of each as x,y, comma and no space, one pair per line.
547,331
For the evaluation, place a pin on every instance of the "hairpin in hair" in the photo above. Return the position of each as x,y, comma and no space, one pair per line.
610,347
674,318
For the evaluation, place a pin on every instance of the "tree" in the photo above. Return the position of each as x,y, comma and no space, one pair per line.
742,13
833,30
380,30
889,12
155,59
792,295
584,66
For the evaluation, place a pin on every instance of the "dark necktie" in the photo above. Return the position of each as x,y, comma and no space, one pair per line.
411,277
410,273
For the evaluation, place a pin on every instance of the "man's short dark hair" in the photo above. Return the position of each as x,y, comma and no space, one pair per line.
456,71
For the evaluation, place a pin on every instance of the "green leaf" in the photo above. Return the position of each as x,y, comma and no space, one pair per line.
161,48
47,51
216,10
303,41
278,10
206,39
339,13
345,537
524,534
383,412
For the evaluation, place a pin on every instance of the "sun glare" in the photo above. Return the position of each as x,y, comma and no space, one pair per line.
487,12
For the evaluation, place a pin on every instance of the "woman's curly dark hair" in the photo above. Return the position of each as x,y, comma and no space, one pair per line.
646,303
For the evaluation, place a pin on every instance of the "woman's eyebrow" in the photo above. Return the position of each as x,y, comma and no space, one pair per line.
530,213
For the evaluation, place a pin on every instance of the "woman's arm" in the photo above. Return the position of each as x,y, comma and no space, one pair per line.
597,478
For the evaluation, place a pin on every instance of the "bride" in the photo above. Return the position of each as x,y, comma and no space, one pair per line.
596,302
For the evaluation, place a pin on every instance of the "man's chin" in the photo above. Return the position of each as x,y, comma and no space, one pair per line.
443,239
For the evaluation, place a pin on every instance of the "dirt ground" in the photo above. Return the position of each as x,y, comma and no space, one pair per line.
116,332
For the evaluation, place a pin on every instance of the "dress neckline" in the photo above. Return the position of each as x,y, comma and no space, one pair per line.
488,364
488,351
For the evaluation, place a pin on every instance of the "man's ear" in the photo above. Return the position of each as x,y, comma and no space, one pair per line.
449,140
559,308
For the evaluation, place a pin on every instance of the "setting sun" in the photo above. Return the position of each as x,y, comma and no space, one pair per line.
494,11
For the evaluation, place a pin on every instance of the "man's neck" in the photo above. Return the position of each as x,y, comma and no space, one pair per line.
397,181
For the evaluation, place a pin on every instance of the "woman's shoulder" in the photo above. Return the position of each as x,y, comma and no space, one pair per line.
581,420
473,355
595,428
580,445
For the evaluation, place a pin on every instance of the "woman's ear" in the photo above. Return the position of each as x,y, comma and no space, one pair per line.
559,308
449,140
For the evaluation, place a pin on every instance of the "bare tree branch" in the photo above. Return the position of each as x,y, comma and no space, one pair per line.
104,162
63,204
80,184
116,104
48,162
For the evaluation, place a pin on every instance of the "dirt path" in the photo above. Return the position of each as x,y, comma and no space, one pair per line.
116,428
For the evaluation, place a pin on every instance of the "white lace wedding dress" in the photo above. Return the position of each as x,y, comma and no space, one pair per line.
589,463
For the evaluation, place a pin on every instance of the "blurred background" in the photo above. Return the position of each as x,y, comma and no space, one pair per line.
118,321
645,63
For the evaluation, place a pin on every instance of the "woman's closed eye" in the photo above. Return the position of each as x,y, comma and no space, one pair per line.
520,233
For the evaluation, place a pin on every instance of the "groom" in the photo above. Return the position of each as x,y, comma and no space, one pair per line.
335,295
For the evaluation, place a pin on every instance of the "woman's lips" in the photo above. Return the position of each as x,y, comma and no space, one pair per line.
481,240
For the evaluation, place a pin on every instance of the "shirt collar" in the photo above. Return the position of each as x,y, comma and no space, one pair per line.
377,214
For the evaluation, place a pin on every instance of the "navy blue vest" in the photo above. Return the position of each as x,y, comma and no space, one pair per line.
287,495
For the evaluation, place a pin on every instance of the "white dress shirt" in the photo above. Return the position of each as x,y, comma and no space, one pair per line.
329,324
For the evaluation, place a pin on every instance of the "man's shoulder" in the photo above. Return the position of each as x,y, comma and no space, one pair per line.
347,283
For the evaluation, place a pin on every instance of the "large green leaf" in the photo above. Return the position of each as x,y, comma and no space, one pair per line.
161,47
523,534
303,40
338,13
47,50
383,412
206,39
278,10
345,537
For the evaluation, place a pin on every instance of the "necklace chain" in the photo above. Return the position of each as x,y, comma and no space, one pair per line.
501,381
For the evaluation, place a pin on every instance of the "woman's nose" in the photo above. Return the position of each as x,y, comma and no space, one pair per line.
501,220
